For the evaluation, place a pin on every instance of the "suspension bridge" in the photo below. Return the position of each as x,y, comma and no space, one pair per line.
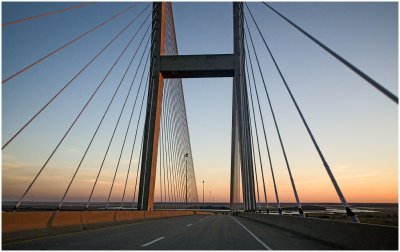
122,152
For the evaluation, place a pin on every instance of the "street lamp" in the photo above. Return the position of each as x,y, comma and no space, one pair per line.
186,156
203,194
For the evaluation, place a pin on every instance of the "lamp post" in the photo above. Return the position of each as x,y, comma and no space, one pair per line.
186,156
203,194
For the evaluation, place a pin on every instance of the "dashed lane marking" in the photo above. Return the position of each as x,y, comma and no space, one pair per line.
153,241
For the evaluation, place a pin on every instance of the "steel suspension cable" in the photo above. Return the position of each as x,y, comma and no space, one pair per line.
181,148
160,164
165,152
247,147
245,129
241,198
133,145
73,123
371,81
194,187
171,144
187,135
170,49
46,14
179,145
185,145
349,212
137,172
234,155
185,165
98,126
149,97
165,129
177,161
255,165
69,43
167,139
265,135
170,141
245,152
128,126
163,142
173,153
70,81
115,129
258,144
247,132
275,122
176,153
162,156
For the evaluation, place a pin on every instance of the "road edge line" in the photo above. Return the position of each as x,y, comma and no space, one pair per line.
254,236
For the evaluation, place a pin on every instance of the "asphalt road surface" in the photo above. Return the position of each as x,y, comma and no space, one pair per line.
196,232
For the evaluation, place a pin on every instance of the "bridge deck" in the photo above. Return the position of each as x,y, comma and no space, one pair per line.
198,232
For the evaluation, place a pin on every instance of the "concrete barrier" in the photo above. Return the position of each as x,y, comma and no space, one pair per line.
14,222
26,225
62,219
342,234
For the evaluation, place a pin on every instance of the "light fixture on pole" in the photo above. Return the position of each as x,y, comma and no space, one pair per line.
203,193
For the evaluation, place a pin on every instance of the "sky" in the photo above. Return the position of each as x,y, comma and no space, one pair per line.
355,126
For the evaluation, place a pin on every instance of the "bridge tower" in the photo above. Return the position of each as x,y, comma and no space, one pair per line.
198,66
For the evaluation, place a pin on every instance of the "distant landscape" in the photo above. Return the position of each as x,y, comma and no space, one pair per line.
372,213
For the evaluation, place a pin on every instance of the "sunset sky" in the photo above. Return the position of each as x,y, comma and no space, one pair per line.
355,125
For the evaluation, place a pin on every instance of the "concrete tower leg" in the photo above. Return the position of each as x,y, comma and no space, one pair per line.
153,112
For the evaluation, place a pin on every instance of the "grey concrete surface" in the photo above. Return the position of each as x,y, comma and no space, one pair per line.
196,232
197,66
344,234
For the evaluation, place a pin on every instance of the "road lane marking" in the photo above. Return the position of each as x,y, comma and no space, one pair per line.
205,218
77,232
98,229
254,236
153,241
198,221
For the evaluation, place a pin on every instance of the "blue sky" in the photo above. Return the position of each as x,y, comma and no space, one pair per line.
355,125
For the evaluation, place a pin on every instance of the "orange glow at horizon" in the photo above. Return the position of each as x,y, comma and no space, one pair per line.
367,188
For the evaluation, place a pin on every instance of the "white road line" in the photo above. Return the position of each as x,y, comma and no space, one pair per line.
156,240
203,219
189,225
254,236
